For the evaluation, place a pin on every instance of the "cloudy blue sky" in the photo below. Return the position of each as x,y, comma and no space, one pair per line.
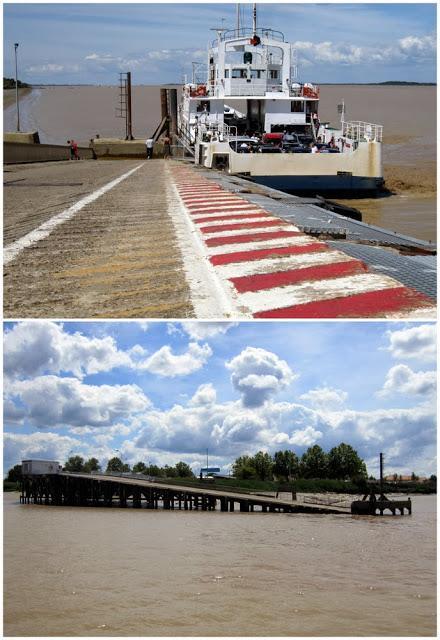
163,392
92,43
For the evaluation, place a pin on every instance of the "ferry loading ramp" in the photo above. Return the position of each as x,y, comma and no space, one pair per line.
169,240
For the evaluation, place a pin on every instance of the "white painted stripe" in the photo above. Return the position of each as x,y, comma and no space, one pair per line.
231,216
280,297
245,232
223,207
213,198
12,251
280,263
424,313
235,220
293,241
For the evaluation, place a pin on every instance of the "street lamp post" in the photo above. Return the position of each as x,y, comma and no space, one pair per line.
16,87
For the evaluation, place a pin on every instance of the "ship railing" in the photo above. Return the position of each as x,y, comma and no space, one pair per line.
216,131
245,32
359,131
246,89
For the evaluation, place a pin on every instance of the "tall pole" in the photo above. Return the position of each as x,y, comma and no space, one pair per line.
238,18
255,18
381,472
207,465
129,133
16,87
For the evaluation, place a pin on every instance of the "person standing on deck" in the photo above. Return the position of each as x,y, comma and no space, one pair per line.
72,151
166,147
149,143
75,150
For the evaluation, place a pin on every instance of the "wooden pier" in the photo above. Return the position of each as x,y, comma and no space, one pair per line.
97,490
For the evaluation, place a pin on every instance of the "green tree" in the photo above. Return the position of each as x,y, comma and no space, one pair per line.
286,464
154,470
74,463
344,463
183,470
414,478
115,465
314,463
243,468
140,467
91,465
263,465
170,472
14,474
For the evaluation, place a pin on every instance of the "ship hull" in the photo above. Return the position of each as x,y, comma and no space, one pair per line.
341,185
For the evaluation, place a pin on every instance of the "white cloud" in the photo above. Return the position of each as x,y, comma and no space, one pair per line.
413,342
205,395
50,401
43,446
204,330
166,364
258,374
33,347
325,398
402,379
305,437
409,49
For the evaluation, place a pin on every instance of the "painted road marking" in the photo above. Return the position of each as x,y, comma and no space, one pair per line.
292,295
248,237
15,248
239,216
255,254
258,282
367,304
277,263
270,269
265,223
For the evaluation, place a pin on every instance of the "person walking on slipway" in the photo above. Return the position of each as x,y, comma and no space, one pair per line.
149,143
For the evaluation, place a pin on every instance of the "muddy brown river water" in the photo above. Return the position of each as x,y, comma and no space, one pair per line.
116,572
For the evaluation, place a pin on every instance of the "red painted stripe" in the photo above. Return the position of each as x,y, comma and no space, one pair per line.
243,225
272,252
360,305
232,216
220,209
261,281
251,237
208,202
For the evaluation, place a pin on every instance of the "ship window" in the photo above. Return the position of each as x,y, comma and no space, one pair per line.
239,73
296,106
226,73
203,107
273,74
256,73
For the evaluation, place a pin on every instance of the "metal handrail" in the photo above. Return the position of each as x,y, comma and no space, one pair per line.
233,34
358,130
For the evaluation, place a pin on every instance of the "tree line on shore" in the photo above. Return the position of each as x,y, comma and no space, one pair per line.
335,468
9,83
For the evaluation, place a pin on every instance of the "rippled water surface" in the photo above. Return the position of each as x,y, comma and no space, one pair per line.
116,572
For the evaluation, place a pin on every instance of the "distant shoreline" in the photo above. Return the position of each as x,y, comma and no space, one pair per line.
388,83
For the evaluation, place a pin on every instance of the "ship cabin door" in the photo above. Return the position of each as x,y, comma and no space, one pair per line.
255,116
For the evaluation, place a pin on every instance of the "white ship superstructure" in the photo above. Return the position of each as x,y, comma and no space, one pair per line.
251,116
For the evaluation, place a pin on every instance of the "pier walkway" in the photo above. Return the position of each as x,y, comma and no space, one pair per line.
165,240
77,489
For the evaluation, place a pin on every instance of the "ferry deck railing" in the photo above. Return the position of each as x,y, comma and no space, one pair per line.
358,131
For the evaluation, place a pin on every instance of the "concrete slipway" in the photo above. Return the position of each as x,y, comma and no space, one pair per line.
158,239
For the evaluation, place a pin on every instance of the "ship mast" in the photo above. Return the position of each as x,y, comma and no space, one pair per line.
254,18
238,18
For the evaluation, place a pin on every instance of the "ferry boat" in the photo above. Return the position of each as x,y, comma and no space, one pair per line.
251,116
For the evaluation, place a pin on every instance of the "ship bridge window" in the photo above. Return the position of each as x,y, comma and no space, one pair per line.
273,74
203,107
226,73
297,106
239,73
256,73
